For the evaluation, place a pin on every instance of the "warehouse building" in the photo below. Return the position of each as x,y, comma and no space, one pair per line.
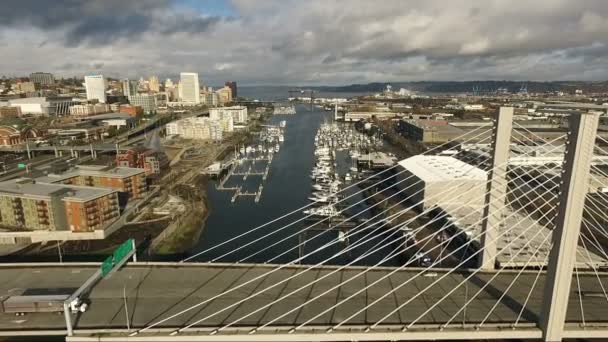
428,131
435,181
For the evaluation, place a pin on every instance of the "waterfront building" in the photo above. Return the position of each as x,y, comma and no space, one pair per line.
96,87
58,106
148,102
129,181
232,86
238,113
129,88
198,128
356,116
42,78
26,204
189,90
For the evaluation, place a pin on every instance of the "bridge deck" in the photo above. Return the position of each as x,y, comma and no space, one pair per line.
157,291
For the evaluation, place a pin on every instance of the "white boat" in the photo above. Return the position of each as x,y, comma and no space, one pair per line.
328,210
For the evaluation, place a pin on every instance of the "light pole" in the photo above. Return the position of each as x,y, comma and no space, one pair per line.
124,296
59,252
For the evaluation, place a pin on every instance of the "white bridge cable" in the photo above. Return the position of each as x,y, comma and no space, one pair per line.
591,263
540,245
513,281
320,263
347,219
266,224
214,297
259,292
322,220
522,233
445,275
489,281
318,235
384,296
271,260
254,279
372,250
361,273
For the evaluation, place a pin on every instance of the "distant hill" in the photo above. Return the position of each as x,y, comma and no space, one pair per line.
468,86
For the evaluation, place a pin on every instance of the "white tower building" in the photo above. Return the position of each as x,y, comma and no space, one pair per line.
189,87
96,87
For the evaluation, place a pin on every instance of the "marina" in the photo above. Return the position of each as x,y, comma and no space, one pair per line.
252,162
289,186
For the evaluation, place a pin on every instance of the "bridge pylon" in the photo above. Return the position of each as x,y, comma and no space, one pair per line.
497,186
572,193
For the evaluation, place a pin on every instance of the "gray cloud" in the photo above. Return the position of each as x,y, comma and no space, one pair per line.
101,21
316,41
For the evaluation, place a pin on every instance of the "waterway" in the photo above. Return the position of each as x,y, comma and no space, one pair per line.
287,188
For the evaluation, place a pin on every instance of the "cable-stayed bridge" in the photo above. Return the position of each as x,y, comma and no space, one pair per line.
518,253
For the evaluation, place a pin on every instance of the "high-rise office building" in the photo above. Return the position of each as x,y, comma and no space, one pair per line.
232,86
189,87
129,87
96,87
154,84
43,78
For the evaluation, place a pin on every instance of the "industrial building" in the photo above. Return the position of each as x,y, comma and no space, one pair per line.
58,106
129,181
238,113
428,131
28,205
356,116
427,177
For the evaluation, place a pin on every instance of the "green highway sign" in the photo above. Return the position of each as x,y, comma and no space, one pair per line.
119,254
107,265
21,166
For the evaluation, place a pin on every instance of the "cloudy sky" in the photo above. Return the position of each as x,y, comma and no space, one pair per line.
308,42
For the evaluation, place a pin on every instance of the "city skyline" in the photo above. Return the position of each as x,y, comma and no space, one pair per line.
317,43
